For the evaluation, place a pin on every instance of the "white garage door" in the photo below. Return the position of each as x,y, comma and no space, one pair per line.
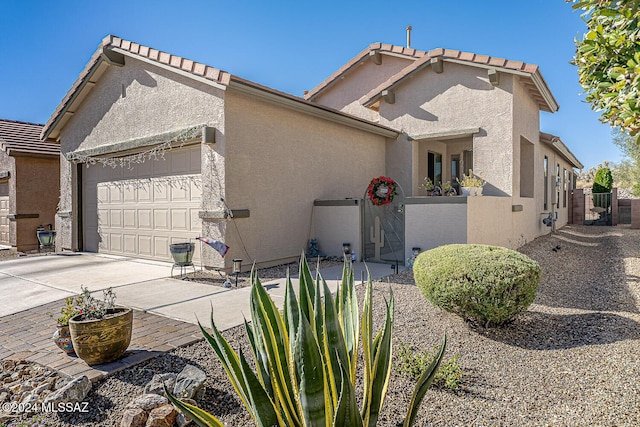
4,211
140,211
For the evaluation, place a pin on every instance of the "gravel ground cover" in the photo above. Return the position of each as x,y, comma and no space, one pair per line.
571,360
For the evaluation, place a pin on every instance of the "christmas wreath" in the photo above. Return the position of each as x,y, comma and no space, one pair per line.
381,190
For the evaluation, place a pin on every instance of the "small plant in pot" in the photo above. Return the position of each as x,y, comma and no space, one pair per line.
471,185
62,336
100,332
428,186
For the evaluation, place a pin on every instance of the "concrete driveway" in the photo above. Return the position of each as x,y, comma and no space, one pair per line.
140,284
32,281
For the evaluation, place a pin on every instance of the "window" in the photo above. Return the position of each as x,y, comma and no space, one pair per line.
434,162
455,171
545,165
557,186
467,161
564,188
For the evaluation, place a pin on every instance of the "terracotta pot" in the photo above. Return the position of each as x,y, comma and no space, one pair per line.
62,338
102,341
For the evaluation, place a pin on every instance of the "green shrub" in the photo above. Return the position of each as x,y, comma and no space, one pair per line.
481,283
306,358
603,181
412,363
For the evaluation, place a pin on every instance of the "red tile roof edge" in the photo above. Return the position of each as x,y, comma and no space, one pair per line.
181,64
114,42
469,57
408,52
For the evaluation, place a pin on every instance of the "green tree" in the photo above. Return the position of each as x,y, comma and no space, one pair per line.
603,182
627,173
608,60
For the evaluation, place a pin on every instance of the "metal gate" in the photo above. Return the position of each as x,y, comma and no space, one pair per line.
597,208
383,231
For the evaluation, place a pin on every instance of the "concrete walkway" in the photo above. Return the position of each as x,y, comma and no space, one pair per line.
167,309
140,284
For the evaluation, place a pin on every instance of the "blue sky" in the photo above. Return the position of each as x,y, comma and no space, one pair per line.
292,46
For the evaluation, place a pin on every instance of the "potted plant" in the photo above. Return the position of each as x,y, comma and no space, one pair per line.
448,190
428,186
471,185
62,336
100,332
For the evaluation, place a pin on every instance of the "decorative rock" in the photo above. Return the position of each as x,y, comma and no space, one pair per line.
42,387
155,386
134,417
147,402
75,391
29,400
190,383
163,416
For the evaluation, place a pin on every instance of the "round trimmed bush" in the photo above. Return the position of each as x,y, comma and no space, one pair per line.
481,283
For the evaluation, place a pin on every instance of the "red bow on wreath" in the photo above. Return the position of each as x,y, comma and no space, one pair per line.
381,190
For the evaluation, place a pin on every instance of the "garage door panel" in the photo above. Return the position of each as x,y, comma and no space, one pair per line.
144,192
115,242
179,219
129,218
179,193
129,241
160,192
144,219
145,245
4,211
115,193
161,219
140,211
103,193
161,246
130,193
115,218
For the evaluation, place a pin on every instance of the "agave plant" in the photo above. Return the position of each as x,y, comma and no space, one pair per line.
307,357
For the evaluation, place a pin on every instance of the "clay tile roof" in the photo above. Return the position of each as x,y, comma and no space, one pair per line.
22,137
119,45
113,44
535,82
351,64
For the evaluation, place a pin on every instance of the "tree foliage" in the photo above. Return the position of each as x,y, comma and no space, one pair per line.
608,60
627,173
603,181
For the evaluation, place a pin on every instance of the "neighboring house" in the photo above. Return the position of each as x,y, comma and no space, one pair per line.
29,183
460,111
265,171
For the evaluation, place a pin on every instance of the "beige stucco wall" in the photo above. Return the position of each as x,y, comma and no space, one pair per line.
345,93
490,221
460,98
280,161
429,225
335,225
136,101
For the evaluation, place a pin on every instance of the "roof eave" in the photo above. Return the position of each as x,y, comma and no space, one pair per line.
561,148
307,107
